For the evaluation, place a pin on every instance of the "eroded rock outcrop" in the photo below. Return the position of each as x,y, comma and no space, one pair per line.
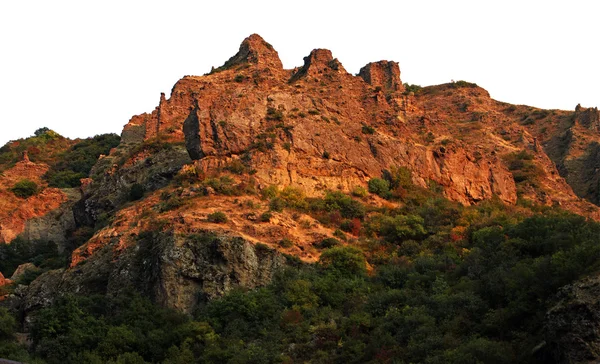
383,74
255,50
176,271
285,121
572,328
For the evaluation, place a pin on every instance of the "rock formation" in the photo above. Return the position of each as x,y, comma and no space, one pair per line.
18,215
383,74
573,325
316,128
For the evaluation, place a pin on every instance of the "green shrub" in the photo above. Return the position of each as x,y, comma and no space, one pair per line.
218,217
274,114
286,243
265,217
380,187
344,260
327,243
338,201
25,188
359,191
136,191
77,161
293,197
408,88
366,129
277,204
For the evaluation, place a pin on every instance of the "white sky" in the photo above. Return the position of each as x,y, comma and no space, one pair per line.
84,68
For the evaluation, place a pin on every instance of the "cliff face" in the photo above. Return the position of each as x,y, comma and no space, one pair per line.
320,127
176,271
573,143
290,119
315,128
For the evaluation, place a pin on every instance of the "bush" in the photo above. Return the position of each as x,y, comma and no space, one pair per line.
286,243
338,201
274,114
408,88
25,188
366,129
136,192
327,243
344,260
359,191
265,217
380,187
218,217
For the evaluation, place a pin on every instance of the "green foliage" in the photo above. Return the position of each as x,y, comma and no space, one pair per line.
359,191
25,188
41,131
274,114
408,88
523,168
136,192
380,187
77,161
265,216
445,284
344,260
218,217
402,227
170,201
462,84
327,243
366,129
8,325
336,201
43,254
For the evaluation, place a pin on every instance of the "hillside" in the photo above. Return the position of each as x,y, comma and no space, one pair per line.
309,215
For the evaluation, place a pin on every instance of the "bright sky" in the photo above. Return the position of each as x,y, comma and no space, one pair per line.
84,68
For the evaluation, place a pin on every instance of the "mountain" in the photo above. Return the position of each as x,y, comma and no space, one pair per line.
417,203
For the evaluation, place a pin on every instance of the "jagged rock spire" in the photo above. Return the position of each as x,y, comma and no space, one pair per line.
384,74
255,50
318,62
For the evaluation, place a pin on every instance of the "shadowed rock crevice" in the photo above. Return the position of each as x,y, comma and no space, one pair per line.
191,130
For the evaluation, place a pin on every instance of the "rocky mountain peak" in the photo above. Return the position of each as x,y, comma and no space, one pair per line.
318,62
255,50
384,74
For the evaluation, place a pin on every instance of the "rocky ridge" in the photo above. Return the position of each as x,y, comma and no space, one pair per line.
314,128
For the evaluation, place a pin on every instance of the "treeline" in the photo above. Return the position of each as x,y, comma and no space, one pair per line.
433,296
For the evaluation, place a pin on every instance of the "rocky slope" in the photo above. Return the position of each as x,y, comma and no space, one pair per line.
314,128
46,215
573,324
320,127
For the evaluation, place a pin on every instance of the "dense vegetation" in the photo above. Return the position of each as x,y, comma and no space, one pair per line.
43,147
69,160
76,163
430,281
